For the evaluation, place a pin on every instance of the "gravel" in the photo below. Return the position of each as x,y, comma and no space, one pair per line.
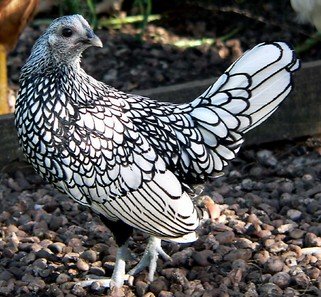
266,241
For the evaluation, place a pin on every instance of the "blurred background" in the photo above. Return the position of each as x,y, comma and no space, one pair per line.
151,43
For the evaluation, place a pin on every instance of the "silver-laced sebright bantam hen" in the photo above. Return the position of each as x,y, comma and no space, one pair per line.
127,156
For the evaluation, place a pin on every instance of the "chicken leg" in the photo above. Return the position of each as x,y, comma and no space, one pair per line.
149,259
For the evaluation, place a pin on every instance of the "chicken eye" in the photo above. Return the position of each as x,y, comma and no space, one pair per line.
66,32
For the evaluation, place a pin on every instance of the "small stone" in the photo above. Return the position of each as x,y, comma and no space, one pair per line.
244,254
286,187
274,265
57,247
82,265
286,228
202,258
270,289
78,290
6,288
97,271
290,292
141,288
281,279
301,279
76,245
166,294
54,291
62,278
47,254
181,258
158,285
225,237
5,275
311,240
266,158
247,184
36,284
294,214
278,246
89,255
313,273
297,233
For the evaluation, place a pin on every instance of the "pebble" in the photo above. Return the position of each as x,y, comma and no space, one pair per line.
82,265
62,278
89,255
181,258
312,240
57,247
97,271
266,158
225,237
270,289
141,288
166,294
158,285
243,254
202,258
300,278
294,214
281,279
78,291
274,265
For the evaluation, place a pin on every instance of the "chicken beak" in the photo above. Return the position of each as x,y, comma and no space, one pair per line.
93,39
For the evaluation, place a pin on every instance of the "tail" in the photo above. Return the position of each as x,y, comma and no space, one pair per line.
248,93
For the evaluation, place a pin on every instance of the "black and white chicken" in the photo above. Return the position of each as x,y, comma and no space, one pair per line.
127,156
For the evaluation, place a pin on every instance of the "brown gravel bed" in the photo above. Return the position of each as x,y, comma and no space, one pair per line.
267,241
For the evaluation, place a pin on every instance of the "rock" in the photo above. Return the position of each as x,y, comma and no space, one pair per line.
82,265
291,292
243,254
158,285
62,278
247,184
294,214
89,255
225,237
273,265
269,289
312,240
266,158
165,294
78,290
202,258
300,278
57,247
181,258
281,279
296,233
97,271
141,288
5,275
36,284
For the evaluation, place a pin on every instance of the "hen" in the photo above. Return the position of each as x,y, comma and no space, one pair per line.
127,156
